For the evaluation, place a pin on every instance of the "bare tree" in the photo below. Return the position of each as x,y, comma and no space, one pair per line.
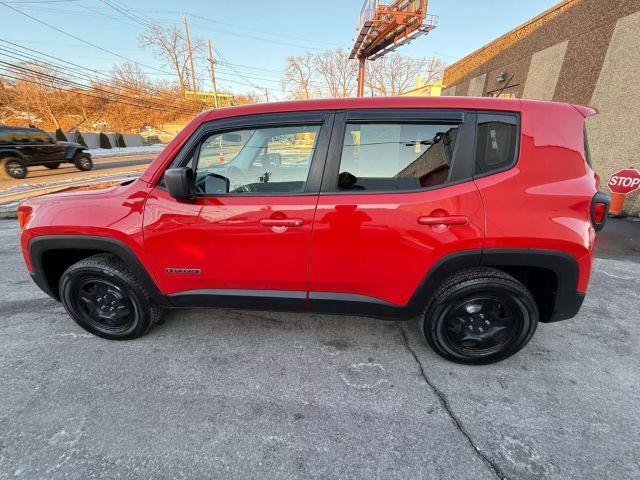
336,72
130,78
170,45
298,77
395,74
38,92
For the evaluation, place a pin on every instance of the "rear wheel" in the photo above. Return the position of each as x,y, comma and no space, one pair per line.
106,299
480,316
83,161
52,166
13,167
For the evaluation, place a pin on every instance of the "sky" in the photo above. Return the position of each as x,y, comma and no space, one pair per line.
255,36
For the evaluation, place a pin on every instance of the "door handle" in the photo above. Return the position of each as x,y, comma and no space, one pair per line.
281,222
446,220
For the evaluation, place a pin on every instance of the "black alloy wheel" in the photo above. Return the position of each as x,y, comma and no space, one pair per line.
105,298
479,316
104,305
481,325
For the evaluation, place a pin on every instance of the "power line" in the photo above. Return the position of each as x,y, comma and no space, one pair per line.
243,27
78,38
75,91
102,94
62,69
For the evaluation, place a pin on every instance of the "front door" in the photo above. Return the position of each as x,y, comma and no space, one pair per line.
248,232
397,196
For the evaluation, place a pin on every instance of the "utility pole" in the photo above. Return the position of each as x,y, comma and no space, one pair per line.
212,62
193,70
361,71
266,94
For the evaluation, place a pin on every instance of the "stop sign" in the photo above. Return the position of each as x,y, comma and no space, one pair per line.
625,181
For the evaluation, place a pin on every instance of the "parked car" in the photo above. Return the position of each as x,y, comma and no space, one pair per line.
478,215
21,148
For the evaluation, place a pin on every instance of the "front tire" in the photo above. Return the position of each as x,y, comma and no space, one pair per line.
480,316
13,167
106,299
83,161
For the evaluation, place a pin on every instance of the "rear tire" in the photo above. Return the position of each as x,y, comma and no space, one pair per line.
106,299
13,167
52,166
83,161
479,316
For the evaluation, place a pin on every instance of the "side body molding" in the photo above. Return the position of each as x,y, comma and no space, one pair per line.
566,305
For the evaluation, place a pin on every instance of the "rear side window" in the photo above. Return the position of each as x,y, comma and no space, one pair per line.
396,156
496,142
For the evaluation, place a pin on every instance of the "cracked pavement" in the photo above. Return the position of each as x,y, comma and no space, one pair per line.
245,394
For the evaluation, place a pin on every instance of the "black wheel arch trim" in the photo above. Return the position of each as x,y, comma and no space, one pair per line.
567,299
38,246
11,153
73,150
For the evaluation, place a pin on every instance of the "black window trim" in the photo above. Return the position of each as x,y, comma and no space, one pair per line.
516,157
324,118
463,156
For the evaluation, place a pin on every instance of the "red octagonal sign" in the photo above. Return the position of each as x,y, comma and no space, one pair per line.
625,181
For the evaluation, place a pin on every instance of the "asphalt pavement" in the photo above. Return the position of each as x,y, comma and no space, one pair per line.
42,177
255,395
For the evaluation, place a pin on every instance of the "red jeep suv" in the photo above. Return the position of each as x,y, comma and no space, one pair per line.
477,214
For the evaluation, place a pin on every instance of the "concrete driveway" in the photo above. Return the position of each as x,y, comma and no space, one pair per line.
239,394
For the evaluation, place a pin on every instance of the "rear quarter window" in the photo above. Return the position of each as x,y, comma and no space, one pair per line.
496,143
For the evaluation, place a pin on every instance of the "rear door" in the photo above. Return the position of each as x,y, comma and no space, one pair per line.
44,149
397,196
248,232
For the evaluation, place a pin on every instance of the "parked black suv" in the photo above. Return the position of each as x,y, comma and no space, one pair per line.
24,147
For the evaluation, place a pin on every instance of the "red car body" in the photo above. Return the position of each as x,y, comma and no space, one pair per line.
357,252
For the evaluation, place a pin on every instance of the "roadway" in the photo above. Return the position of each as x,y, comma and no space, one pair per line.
41,180
253,395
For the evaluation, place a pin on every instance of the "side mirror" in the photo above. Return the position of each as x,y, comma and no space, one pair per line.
181,183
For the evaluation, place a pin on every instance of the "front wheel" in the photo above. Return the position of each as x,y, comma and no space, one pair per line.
480,316
83,161
106,299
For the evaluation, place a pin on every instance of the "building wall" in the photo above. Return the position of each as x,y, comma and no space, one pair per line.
580,51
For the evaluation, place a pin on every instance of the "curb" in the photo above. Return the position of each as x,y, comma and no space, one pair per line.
9,210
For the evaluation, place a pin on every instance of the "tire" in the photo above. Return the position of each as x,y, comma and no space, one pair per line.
13,167
106,299
479,316
52,166
82,161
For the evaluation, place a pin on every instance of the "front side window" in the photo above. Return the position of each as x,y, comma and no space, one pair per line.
38,136
19,136
258,160
396,156
495,142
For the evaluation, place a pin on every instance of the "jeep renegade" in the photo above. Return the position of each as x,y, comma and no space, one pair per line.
477,214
